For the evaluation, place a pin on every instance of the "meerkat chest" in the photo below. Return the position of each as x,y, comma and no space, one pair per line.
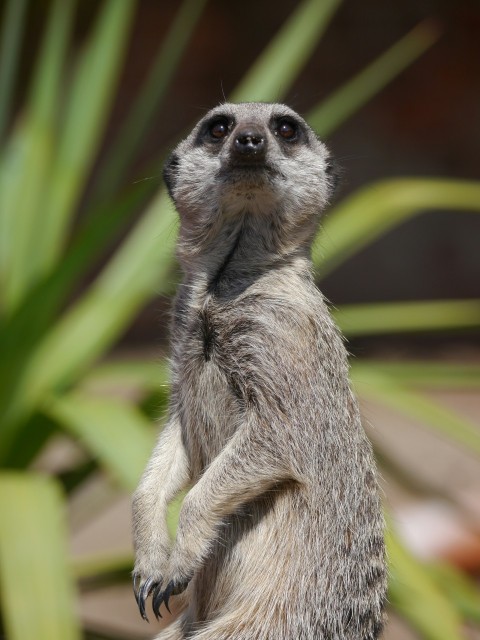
210,408
212,337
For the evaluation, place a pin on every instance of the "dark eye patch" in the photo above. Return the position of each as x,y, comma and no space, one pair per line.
287,129
218,129
215,129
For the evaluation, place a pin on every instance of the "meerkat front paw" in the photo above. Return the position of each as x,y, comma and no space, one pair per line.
173,588
148,575
180,570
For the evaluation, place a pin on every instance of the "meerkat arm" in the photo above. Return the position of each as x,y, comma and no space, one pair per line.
247,467
167,473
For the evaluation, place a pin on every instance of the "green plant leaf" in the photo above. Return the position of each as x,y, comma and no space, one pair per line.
416,597
37,589
139,270
147,375
99,422
95,567
432,374
150,97
377,386
173,514
343,103
370,212
18,334
403,317
277,67
30,438
45,94
84,120
30,153
12,31
460,590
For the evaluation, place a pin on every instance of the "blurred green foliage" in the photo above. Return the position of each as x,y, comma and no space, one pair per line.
51,346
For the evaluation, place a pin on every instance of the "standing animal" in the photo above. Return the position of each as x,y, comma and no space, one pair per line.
281,534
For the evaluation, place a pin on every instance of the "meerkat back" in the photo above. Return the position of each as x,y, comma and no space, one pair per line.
281,533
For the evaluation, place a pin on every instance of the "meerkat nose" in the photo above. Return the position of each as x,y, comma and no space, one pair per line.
249,142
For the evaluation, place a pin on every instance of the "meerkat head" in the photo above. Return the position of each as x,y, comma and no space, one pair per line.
256,158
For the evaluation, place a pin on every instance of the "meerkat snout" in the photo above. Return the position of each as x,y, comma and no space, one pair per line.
249,141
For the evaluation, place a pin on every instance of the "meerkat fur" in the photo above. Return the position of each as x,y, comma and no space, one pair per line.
280,536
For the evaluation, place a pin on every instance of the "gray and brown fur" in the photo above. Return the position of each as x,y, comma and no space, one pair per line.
281,535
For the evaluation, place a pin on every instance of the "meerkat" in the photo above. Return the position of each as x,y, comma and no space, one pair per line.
280,536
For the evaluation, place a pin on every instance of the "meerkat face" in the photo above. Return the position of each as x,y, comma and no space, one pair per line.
250,157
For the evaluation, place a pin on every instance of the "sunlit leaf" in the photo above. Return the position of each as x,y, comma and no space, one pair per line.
30,153
139,270
150,96
30,438
115,432
377,386
18,334
459,588
37,589
144,374
432,374
416,596
84,121
403,317
343,103
173,515
369,213
12,30
99,565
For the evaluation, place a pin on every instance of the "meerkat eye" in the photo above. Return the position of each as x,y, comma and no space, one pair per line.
218,129
287,130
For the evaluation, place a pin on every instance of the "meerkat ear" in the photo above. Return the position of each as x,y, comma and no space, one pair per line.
170,172
334,173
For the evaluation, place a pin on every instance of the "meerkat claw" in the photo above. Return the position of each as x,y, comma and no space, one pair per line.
157,599
166,595
142,594
135,584
173,588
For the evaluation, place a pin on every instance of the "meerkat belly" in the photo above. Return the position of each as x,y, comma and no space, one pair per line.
256,551
213,412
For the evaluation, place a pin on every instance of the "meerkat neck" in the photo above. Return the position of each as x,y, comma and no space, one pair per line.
241,252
